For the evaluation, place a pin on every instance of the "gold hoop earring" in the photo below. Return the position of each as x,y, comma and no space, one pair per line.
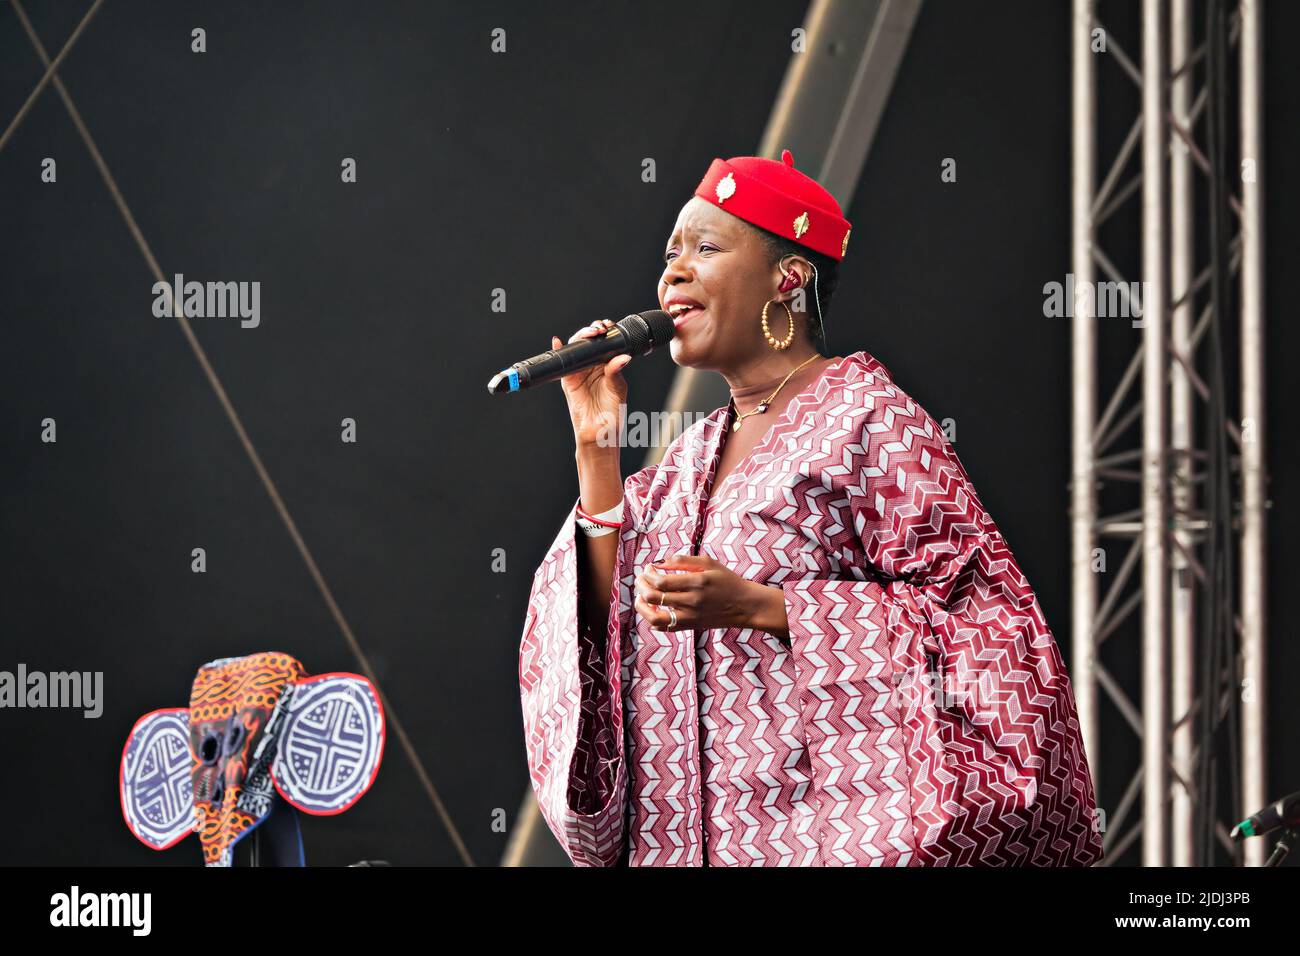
779,344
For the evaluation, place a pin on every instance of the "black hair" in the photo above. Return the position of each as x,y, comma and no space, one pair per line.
820,290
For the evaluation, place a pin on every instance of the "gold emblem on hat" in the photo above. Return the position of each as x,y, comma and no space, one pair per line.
844,246
801,225
726,188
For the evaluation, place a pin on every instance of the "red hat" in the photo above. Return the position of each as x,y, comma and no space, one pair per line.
777,197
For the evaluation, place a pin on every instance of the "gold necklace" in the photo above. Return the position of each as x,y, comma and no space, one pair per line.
763,405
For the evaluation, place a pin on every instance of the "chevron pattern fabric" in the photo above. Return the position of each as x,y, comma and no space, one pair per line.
919,715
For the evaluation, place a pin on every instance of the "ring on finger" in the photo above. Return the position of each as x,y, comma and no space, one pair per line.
672,615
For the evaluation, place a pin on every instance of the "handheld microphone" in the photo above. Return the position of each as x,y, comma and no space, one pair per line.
637,334
1283,813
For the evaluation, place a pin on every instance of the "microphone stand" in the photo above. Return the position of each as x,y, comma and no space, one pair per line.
1283,846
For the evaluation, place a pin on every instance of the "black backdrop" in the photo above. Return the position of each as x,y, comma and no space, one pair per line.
476,171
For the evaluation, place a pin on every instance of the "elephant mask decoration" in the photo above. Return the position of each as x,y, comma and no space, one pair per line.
256,727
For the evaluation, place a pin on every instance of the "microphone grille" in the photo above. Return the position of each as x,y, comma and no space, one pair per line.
637,331
654,328
661,326
646,330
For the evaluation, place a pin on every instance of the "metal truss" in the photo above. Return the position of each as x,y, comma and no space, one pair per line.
1172,609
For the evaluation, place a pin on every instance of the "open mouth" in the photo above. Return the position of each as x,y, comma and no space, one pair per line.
682,316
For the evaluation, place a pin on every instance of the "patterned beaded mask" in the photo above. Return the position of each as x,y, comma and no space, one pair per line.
256,726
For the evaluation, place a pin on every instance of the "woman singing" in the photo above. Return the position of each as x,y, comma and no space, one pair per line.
799,639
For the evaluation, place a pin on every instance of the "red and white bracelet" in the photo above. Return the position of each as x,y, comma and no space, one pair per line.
607,522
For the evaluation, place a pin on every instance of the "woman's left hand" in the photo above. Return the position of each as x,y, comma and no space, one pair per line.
703,594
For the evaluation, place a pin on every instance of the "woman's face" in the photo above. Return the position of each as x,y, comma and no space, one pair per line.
723,265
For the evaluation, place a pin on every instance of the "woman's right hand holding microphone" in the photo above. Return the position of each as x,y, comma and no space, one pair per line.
595,395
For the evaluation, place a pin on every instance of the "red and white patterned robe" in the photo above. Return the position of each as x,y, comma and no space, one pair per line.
921,714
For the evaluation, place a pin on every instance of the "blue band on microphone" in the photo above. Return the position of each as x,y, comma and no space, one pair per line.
514,379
